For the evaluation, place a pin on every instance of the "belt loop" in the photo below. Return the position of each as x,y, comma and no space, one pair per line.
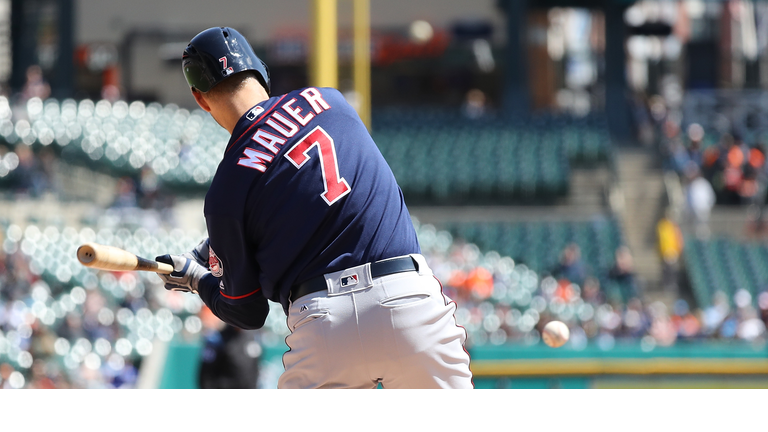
421,265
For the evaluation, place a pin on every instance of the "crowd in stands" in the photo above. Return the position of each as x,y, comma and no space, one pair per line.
64,325
717,150
54,334
500,302
735,168
71,344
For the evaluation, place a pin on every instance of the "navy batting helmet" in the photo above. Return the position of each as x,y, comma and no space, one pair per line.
217,53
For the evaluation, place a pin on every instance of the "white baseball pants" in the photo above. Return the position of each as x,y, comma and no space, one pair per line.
398,330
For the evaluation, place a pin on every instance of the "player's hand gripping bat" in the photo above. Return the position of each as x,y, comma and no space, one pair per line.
104,257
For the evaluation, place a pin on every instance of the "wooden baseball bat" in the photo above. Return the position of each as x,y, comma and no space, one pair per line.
104,257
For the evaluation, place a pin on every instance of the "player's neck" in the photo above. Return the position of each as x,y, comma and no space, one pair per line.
231,110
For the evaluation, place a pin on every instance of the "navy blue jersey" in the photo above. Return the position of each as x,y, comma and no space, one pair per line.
302,190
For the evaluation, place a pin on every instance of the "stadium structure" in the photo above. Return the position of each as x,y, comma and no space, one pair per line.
597,163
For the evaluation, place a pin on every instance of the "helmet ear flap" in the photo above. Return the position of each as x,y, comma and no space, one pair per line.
265,81
196,76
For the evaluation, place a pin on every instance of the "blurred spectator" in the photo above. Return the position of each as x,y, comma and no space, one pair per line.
40,378
71,328
480,283
623,271
591,292
42,343
733,172
571,266
714,157
635,320
662,329
111,93
759,171
36,85
729,327
687,325
750,325
700,198
670,241
679,156
762,301
230,356
752,190
457,284
47,162
695,136
714,315
658,108
749,181
643,120
149,188
608,319
123,377
29,177
474,104
6,370
126,196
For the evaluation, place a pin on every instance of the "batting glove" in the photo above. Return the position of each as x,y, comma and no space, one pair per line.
200,253
186,276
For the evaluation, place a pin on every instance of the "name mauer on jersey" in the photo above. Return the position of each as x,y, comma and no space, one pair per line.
285,122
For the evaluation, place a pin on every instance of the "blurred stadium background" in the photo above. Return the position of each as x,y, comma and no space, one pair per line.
601,163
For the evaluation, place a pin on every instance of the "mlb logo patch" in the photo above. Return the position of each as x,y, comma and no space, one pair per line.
254,112
349,280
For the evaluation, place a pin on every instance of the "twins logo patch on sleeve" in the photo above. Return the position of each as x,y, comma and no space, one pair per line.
215,264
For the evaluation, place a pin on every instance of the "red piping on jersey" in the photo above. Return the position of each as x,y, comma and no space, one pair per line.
242,296
255,122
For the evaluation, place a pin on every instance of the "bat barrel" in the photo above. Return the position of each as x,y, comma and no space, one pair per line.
111,258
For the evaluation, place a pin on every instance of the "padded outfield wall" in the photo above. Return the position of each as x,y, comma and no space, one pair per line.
628,366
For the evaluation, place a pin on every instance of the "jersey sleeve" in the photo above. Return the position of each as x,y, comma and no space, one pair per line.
248,316
231,261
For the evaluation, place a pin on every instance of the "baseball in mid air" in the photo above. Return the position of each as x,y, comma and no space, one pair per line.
555,334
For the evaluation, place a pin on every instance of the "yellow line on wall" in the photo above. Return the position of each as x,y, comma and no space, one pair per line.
654,366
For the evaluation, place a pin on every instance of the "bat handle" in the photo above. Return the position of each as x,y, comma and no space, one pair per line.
154,266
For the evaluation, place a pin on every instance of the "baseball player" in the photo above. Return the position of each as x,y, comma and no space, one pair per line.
304,211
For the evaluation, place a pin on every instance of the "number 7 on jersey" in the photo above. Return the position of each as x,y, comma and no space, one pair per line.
335,186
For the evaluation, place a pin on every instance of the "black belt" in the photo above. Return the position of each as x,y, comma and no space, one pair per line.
378,269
